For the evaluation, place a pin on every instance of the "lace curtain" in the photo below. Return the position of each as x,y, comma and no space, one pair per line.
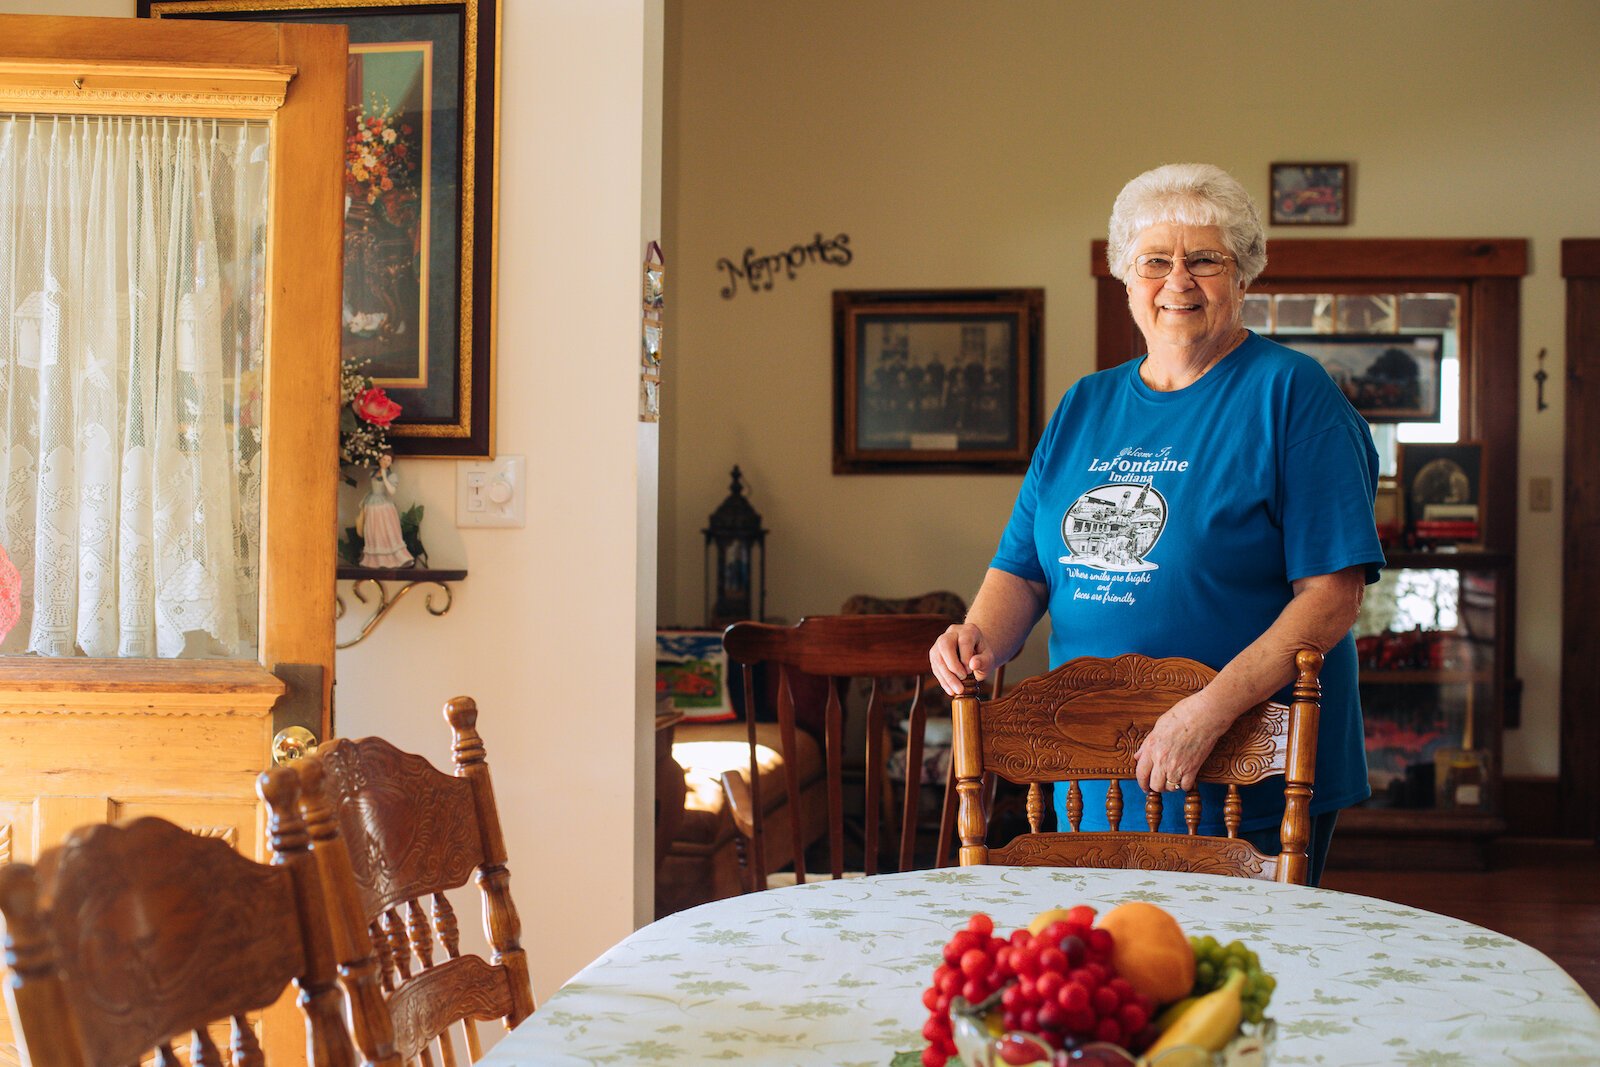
132,255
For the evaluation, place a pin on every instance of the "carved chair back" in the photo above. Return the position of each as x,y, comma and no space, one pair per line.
391,835
886,650
1086,719
127,935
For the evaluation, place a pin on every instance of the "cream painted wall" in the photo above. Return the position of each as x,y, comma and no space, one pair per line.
553,630
964,145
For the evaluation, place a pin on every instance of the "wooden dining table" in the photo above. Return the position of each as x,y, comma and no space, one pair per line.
831,973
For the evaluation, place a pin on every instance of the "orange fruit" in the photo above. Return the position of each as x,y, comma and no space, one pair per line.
1150,950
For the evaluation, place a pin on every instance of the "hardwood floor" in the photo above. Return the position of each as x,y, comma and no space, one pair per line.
1543,893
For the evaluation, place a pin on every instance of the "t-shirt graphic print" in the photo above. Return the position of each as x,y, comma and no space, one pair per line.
1113,527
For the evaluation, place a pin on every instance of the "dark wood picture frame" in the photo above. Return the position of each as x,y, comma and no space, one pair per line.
936,380
1442,482
1387,377
419,249
1309,194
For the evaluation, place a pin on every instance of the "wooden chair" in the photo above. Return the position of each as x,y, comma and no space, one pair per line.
391,834
127,935
952,607
887,650
1084,721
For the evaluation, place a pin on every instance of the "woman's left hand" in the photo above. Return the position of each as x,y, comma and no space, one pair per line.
1172,755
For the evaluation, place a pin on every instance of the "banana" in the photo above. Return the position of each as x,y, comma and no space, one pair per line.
1209,1023
1171,1013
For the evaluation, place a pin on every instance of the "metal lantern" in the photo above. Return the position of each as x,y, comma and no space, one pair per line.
735,532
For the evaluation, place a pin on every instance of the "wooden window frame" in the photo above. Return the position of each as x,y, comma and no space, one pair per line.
285,74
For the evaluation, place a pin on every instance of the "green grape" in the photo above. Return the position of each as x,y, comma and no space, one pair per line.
1213,962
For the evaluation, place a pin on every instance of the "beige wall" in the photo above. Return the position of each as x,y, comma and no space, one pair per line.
553,629
967,145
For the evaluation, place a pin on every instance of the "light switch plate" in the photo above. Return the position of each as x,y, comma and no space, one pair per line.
492,492
1541,494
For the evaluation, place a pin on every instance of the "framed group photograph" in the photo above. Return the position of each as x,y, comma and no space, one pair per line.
936,380
419,177
1310,194
1442,486
1387,377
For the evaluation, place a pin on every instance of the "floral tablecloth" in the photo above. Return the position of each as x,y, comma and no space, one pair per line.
832,973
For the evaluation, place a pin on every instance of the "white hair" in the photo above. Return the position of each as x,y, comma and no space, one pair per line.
1187,194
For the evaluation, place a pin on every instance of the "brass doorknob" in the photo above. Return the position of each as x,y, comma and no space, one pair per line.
292,743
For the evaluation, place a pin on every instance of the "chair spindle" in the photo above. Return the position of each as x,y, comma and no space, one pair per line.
394,929
245,1047
1191,811
874,771
420,932
1114,805
380,942
1074,805
203,1051
1152,809
1231,811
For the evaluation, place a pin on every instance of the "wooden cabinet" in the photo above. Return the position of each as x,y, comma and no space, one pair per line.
1434,645
87,741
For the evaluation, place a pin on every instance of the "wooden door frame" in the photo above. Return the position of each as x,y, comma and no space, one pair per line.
1578,790
293,76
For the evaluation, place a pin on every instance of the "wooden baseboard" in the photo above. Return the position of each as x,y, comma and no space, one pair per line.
1532,804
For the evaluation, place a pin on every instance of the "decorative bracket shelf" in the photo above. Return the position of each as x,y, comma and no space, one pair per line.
408,578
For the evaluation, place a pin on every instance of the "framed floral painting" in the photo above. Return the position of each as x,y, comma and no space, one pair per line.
418,308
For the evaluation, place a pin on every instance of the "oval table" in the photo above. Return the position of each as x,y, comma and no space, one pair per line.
831,973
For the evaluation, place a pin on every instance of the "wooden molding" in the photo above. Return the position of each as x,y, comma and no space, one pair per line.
1580,257
160,687
1578,798
1532,806
104,87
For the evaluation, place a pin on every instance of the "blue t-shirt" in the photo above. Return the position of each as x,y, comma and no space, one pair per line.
1173,524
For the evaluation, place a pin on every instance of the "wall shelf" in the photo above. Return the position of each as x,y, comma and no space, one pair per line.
403,580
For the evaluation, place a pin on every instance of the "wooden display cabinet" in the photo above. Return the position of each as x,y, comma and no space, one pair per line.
1433,641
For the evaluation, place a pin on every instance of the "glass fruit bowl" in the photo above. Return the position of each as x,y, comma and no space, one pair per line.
982,1042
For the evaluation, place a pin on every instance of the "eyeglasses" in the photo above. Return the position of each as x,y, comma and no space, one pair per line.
1202,264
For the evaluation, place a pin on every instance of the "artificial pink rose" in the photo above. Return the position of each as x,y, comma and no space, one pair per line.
376,407
10,594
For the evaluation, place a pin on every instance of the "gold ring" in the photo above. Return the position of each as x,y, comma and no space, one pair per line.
1173,785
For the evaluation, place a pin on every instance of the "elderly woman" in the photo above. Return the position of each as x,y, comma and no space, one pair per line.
1212,499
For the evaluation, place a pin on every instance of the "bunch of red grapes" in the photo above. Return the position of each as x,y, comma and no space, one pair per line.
1058,984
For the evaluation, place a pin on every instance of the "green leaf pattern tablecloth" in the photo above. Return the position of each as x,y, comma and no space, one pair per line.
831,973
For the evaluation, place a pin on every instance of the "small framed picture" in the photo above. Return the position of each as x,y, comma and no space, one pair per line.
1310,194
1441,483
941,380
1389,377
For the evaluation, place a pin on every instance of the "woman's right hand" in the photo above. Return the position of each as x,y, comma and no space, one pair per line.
960,650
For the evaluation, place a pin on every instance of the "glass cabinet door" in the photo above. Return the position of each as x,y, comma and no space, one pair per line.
1429,644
